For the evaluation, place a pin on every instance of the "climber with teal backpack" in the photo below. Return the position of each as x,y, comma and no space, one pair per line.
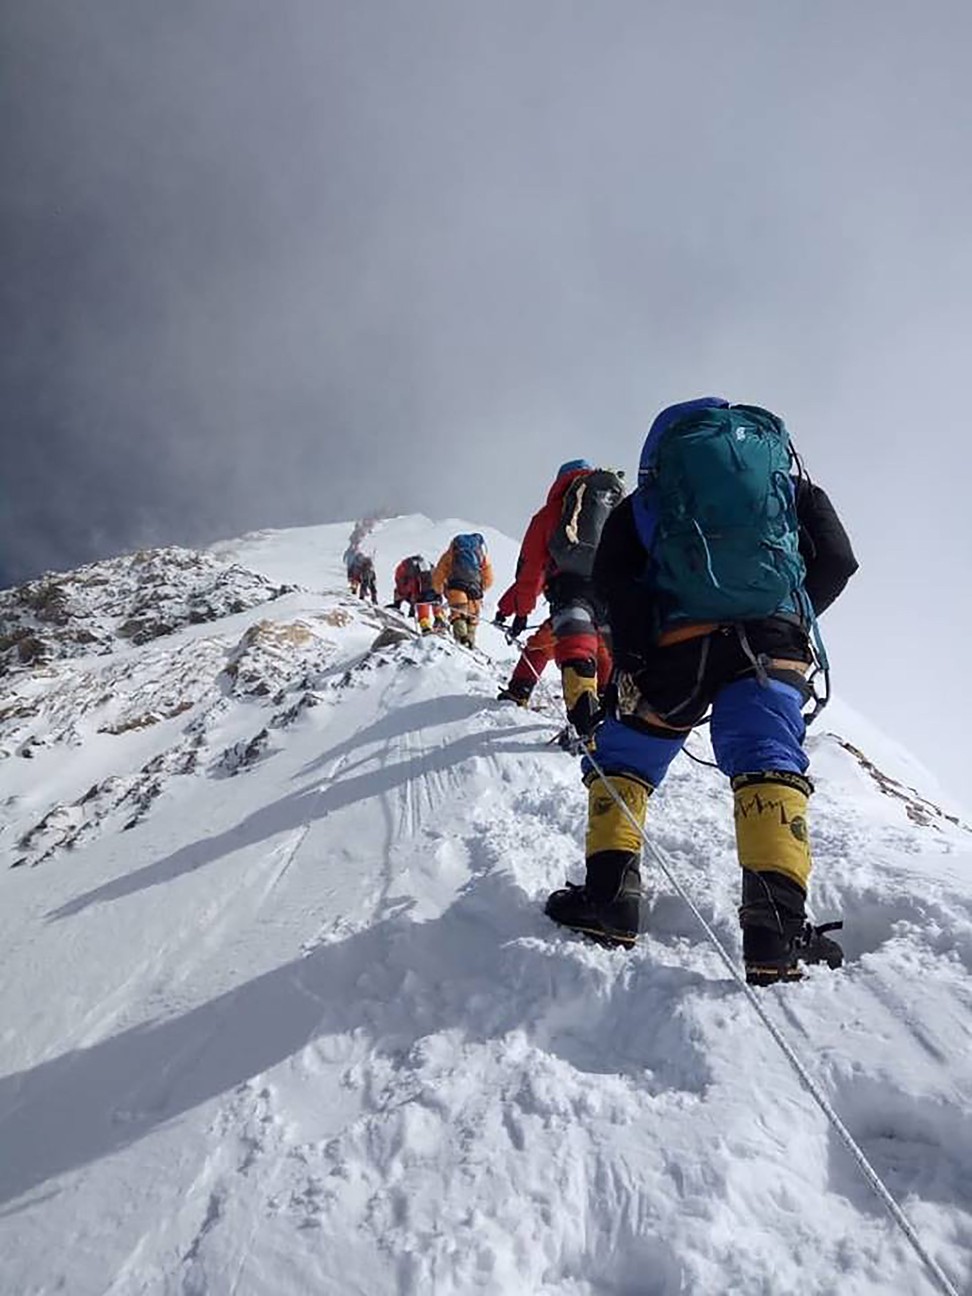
713,574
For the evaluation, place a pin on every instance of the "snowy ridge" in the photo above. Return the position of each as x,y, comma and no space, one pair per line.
136,598
282,1013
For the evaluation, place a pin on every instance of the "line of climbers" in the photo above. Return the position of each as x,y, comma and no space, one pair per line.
692,600
461,576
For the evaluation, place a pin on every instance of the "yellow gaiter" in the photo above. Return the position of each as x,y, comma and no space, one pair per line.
771,823
575,683
608,828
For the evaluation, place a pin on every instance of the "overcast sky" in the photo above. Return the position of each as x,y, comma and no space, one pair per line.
271,262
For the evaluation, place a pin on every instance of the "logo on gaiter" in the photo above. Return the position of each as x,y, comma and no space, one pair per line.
603,802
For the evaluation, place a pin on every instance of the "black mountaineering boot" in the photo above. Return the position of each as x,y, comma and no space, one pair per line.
772,916
517,691
812,946
606,907
777,938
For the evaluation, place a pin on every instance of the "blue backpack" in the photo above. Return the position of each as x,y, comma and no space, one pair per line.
717,513
468,552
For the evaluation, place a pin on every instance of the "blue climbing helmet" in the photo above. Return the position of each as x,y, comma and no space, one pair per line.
573,465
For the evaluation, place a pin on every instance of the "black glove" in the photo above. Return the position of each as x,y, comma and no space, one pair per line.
499,619
518,626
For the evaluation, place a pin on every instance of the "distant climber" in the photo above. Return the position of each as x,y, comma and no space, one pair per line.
361,575
463,574
713,573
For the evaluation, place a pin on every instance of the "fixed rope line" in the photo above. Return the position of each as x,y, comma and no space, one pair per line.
870,1175
873,1179
523,655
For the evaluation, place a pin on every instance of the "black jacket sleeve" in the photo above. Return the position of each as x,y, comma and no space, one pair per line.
824,546
619,568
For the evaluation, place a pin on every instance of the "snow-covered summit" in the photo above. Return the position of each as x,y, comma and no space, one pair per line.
282,1013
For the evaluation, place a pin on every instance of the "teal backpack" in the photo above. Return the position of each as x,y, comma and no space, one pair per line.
716,511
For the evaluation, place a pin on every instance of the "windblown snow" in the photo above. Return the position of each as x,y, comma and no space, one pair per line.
282,1013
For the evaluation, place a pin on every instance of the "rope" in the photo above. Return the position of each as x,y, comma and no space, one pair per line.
873,1179
523,656
870,1175
699,760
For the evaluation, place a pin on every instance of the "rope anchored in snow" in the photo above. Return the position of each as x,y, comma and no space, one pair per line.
871,1176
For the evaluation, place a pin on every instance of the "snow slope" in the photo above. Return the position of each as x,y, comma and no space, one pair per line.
282,1014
